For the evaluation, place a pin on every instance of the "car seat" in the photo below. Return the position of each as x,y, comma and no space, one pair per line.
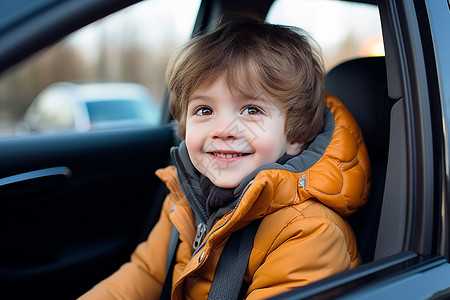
361,85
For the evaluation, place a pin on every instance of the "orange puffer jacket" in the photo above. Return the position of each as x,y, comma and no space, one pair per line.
302,237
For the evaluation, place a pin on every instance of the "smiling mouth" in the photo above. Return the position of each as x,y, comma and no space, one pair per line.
228,155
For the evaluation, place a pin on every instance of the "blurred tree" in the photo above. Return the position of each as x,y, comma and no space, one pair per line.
21,85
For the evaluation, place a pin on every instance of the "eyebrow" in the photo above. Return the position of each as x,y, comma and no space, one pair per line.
199,97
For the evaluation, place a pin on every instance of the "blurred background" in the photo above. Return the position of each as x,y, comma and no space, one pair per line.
134,46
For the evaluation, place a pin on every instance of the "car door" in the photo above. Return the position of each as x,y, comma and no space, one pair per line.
73,205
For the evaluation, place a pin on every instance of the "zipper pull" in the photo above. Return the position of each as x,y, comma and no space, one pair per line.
201,232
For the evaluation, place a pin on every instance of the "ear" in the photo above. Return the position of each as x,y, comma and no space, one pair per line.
295,148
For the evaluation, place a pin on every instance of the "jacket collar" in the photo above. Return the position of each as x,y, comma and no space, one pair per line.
189,180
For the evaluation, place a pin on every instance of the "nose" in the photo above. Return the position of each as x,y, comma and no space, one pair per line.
225,128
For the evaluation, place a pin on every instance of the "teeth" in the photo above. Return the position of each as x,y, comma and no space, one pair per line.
227,155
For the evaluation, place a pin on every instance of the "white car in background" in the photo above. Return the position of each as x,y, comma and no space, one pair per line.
68,106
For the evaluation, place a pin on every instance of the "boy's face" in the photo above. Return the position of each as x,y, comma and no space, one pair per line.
229,135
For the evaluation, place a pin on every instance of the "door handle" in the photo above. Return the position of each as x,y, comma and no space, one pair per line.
34,181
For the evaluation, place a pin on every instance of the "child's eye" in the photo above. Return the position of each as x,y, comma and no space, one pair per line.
203,111
251,110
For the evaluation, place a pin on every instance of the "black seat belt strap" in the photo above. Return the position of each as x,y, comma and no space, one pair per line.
173,245
233,261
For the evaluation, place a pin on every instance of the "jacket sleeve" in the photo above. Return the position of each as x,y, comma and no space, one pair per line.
306,250
143,276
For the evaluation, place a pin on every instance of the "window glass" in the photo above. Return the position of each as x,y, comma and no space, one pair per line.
131,46
110,111
344,30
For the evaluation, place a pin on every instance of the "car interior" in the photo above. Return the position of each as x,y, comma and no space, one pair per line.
74,206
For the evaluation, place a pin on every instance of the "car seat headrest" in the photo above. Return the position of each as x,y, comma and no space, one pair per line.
361,85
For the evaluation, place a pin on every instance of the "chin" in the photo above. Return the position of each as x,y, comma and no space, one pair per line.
225,185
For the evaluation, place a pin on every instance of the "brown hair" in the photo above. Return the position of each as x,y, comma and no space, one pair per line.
257,59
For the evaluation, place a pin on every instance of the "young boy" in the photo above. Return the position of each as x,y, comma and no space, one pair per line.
261,140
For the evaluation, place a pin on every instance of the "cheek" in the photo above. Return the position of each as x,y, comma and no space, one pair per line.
271,140
195,137
193,142
270,148
189,136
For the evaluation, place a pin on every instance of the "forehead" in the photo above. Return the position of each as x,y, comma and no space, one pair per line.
221,87
242,80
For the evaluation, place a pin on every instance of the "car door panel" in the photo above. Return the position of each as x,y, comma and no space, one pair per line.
74,206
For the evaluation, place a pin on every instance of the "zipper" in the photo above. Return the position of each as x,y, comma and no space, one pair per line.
200,234
234,209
